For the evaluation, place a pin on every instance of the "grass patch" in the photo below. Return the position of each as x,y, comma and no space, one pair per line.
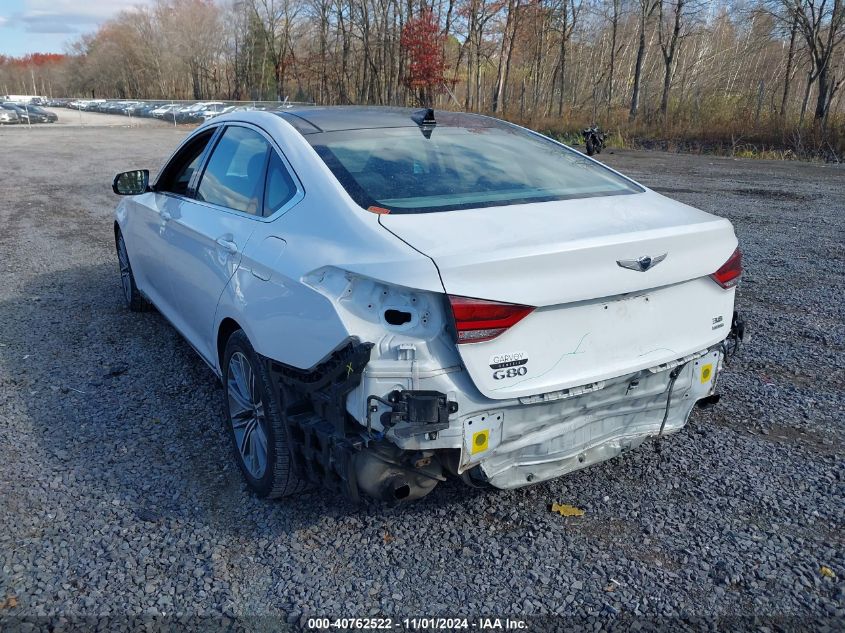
741,136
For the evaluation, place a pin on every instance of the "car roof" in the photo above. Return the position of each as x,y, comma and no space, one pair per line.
314,119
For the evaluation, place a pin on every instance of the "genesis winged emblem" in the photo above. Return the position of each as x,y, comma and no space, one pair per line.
643,263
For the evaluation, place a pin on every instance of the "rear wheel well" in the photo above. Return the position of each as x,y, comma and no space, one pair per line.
227,328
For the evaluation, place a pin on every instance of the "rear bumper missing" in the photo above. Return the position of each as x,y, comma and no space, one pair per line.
513,443
543,441
540,442
431,420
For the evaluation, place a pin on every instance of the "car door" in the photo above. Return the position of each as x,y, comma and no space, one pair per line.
148,215
206,239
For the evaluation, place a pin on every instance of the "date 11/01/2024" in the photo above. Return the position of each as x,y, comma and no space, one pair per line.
446,624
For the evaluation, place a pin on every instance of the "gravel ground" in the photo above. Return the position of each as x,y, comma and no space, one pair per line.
119,495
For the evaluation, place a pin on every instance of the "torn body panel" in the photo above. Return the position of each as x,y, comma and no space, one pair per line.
516,442
416,395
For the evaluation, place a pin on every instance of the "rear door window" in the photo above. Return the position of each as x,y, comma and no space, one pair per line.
280,186
234,176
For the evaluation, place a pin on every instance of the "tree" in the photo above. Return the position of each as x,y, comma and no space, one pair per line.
724,70
616,6
822,25
647,8
193,37
422,41
790,58
567,20
506,53
276,19
671,26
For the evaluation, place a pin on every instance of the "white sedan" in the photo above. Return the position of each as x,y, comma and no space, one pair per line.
391,297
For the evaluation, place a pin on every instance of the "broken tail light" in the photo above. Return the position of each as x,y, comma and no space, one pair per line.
478,320
730,273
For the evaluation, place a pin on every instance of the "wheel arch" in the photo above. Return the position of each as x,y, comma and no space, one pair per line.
117,232
225,329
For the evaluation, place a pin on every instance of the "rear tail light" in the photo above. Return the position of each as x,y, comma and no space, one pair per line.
730,273
477,320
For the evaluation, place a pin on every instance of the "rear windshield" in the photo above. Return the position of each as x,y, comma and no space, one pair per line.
403,171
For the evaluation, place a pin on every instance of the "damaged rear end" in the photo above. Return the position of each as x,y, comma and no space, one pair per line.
526,394
570,328
577,344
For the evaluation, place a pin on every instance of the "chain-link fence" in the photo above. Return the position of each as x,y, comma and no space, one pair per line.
127,112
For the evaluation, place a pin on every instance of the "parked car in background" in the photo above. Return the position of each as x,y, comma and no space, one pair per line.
234,108
91,104
212,110
180,112
390,297
145,110
23,114
199,112
190,113
31,113
19,113
183,110
9,116
45,116
165,111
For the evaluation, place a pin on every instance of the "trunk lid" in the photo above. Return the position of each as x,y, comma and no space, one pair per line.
594,319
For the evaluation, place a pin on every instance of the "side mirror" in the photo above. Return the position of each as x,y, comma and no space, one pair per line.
131,183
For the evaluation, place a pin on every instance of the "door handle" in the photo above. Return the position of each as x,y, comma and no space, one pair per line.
228,245
165,216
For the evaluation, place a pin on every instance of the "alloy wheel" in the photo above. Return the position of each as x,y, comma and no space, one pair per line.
246,415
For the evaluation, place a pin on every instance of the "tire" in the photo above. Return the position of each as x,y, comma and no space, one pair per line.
591,148
135,301
255,422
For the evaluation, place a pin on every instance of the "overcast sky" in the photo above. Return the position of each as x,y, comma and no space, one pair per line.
45,26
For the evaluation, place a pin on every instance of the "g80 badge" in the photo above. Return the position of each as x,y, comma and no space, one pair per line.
508,366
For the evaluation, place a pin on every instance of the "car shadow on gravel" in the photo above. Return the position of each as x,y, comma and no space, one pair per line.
122,406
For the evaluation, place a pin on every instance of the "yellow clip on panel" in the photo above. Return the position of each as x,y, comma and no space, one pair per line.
706,372
480,440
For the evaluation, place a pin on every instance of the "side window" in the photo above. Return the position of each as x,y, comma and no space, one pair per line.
176,175
280,186
234,176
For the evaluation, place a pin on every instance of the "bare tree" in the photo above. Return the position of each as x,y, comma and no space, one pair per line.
790,59
615,15
276,18
532,60
505,53
673,22
822,25
647,9
566,21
